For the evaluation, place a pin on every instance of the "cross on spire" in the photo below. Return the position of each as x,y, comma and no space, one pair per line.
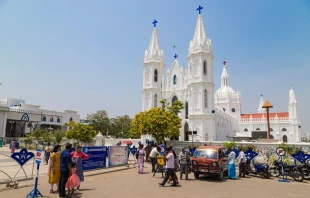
224,62
199,9
175,56
154,23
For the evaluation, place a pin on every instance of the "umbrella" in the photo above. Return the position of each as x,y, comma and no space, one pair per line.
128,142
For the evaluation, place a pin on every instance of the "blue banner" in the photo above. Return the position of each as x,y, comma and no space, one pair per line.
97,157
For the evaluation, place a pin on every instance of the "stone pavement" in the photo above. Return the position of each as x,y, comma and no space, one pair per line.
128,183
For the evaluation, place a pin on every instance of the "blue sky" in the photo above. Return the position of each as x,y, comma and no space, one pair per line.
88,55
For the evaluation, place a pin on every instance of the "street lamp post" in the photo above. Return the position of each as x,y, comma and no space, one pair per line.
267,105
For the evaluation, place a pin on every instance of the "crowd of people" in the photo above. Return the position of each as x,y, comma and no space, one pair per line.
65,170
167,162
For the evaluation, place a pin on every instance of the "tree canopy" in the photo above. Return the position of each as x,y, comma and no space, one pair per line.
80,132
118,126
161,123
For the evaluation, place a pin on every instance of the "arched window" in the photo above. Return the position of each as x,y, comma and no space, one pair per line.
245,129
284,138
71,119
186,132
174,79
206,99
51,119
174,99
271,137
58,120
257,129
186,110
155,101
205,67
44,119
284,129
155,75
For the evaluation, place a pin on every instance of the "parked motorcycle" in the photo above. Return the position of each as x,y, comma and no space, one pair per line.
306,169
296,172
260,169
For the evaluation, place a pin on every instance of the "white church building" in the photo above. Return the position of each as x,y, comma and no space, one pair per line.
212,115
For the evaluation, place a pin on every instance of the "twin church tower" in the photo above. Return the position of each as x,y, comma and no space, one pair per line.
194,86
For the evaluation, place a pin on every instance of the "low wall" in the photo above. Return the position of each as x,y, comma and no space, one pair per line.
113,142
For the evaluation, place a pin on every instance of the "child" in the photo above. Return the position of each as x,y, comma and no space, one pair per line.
160,165
73,181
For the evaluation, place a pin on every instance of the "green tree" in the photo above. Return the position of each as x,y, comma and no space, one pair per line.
80,132
122,126
161,122
139,125
99,121
40,135
59,134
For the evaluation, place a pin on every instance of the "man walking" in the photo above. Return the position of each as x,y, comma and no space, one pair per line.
153,154
170,168
65,170
242,160
183,163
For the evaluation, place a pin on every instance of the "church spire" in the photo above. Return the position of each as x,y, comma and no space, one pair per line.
200,42
292,96
154,53
224,76
261,103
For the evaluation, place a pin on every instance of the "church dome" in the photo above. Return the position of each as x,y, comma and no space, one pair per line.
225,90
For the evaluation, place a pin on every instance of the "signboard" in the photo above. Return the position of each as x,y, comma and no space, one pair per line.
97,157
39,156
280,151
162,149
133,150
22,157
118,155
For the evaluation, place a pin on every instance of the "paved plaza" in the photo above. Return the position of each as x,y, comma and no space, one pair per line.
128,183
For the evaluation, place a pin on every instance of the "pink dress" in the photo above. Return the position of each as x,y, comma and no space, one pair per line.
74,180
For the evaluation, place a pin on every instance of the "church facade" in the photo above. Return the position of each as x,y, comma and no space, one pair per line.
212,115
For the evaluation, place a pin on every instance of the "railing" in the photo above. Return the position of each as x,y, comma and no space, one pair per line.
26,111
277,119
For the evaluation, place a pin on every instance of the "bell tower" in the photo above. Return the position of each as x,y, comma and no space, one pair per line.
153,72
200,83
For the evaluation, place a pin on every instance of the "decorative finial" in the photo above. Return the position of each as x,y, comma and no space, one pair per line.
199,9
154,23
175,56
224,62
261,95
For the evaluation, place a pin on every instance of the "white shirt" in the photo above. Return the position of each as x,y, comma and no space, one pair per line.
241,156
170,161
154,152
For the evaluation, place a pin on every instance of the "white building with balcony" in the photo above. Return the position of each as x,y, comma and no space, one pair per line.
212,115
18,118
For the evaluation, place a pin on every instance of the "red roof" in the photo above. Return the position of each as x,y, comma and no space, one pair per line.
271,115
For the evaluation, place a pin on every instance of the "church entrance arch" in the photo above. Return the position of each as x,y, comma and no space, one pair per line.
186,132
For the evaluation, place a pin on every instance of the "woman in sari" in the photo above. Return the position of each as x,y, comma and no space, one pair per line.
231,165
78,156
140,154
53,170
13,146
